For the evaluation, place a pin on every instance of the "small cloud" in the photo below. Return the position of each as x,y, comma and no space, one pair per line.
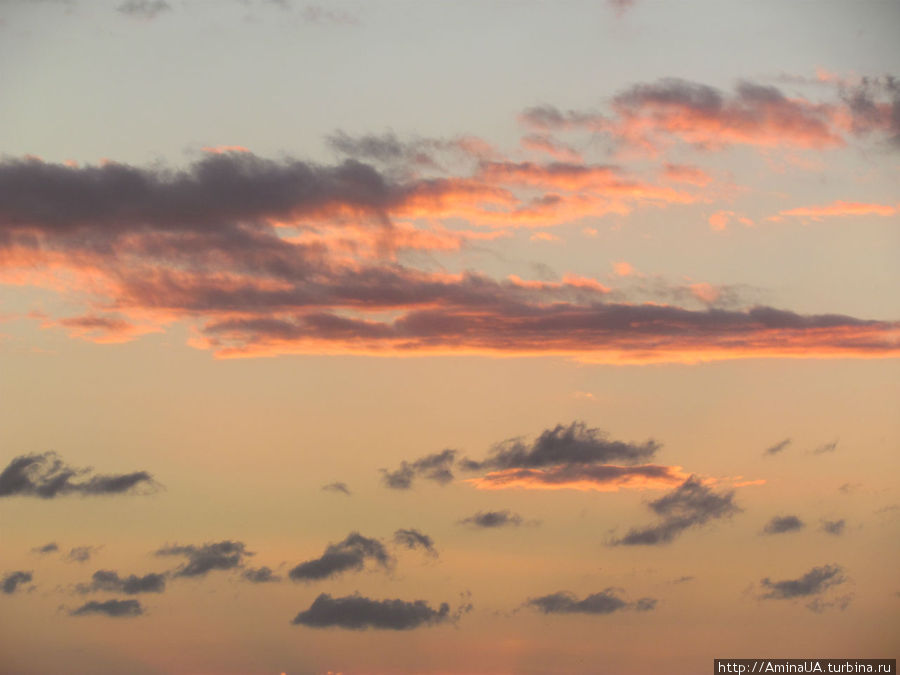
683,580
814,583
413,539
46,548
544,236
47,476
110,581
81,554
827,447
778,447
261,575
493,519
604,602
143,9
623,269
223,555
782,524
835,527
13,580
337,487
111,608
359,613
436,467
349,554
689,505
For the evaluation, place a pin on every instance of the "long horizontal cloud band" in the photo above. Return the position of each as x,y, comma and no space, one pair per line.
143,248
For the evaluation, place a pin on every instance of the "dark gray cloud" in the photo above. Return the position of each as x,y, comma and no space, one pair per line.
573,445
358,613
491,519
52,547
778,447
604,602
835,527
337,486
827,447
143,9
110,581
46,475
13,580
782,524
113,608
875,106
413,539
814,582
261,575
223,555
384,148
349,554
81,554
436,467
689,505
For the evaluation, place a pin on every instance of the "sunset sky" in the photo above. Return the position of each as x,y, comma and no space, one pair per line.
447,337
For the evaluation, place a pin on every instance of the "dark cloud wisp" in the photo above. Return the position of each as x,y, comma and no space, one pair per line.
112,608
689,505
413,539
45,475
604,602
493,519
349,554
782,524
436,467
110,581
223,555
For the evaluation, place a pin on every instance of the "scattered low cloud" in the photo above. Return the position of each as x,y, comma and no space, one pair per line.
112,608
46,476
563,445
778,447
52,547
413,539
835,527
319,14
782,524
604,602
110,581
827,447
349,554
223,555
436,467
493,519
81,554
260,575
359,613
690,505
814,583
13,580
337,486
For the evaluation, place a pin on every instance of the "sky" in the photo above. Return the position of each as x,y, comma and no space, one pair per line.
431,337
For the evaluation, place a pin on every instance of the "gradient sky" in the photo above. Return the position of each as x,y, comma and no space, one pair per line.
431,337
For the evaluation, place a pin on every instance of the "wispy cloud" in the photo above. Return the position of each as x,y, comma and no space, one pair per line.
690,505
47,476
605,602
223,555
782,524
349,554
436,467
110,581
112,608
13,580
493,519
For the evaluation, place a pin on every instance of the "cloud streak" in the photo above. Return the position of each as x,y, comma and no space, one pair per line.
110,581
47,476
223,555
604,602
690,505
350,554
116,609
13,580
